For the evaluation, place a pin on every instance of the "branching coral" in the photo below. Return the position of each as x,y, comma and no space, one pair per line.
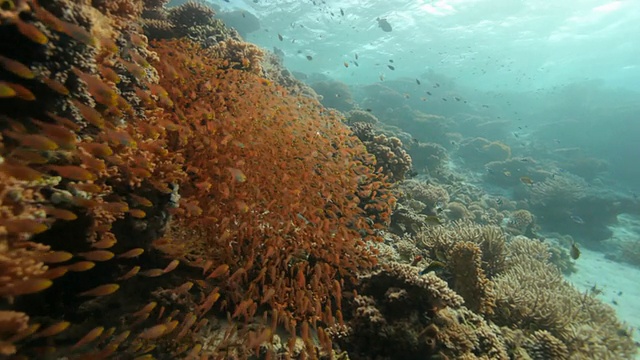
465,335
560,191
542,345
472,255
391,314
456,211
439,242
533,296
335,94
520,222
468,278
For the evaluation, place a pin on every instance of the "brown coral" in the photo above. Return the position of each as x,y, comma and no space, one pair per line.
469,280
532,295
391,314
542,346
357,115
390,156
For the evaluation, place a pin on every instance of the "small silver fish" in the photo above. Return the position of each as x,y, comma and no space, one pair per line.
577,219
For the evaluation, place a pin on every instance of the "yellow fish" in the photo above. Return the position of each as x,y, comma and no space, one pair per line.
526,180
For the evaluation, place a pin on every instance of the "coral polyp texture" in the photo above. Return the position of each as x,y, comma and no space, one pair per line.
145,188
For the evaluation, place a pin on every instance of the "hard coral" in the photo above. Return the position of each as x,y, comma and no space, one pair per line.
440,241
125,8
427,157
192,19
401,314
469,279
431,195
357,115
480,151
391,316
532,295
335,94
390,155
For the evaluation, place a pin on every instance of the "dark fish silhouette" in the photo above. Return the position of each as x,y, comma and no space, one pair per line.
384,25
391,67
574,252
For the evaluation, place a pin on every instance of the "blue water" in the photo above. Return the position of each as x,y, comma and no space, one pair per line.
569,70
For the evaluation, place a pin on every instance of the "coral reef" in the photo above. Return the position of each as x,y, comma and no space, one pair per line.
430,195
401,314
390,156
273,70
357,115
479,151
428,157
586,167
456,211
626,251
472,255
557,192
168,191
508,172
244,22
521,222
155,167
532,295
335,95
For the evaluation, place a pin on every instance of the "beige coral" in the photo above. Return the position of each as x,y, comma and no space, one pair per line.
541,345
532,295
439,242
11,323
466,335
469,280
431,195
394,161
357,115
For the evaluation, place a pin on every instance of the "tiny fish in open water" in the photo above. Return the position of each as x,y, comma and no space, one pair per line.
577,219
384,25
526,180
